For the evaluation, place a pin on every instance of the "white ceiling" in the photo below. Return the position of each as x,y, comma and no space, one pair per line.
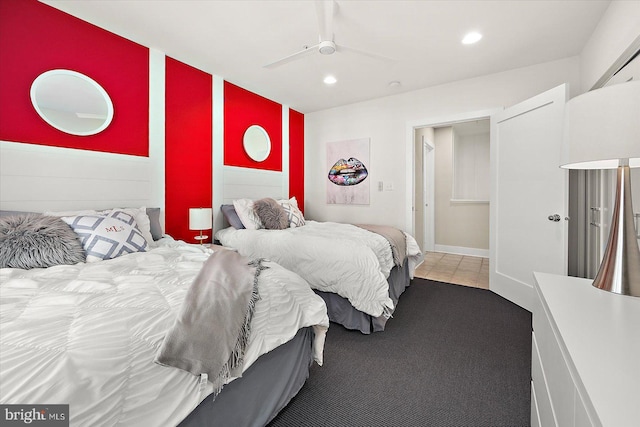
235,39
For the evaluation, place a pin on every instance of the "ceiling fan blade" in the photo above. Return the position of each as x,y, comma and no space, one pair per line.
344,48
293,57
325,10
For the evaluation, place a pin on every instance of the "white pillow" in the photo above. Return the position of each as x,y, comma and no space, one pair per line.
107,236
293,201
244,209
295,216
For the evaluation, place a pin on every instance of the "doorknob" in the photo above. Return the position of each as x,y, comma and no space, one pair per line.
554,218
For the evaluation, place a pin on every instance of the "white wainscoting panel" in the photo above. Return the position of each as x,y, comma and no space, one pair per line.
156,130
245,183
38,178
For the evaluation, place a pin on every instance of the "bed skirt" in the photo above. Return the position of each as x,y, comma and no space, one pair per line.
264,389
341,311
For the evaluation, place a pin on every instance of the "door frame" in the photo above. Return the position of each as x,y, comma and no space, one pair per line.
428,194
411,127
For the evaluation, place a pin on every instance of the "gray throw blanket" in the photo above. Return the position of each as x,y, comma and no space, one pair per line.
395,237
212,330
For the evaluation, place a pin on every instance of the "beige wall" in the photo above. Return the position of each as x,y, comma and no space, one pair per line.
463,225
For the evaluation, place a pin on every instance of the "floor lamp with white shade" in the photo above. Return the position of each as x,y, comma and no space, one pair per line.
602,131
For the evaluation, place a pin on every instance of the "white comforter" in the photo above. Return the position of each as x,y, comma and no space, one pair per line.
332,257
87,334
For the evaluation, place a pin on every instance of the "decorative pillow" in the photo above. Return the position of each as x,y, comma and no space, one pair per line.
37,241
271,214
107,236
231,216
142,221
294,215
139,214
244,209
154,223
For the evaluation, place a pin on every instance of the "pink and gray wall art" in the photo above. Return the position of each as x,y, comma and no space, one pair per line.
347,178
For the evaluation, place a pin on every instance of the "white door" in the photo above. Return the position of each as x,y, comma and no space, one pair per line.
527,187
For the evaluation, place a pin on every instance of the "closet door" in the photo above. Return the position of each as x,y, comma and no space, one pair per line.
528,195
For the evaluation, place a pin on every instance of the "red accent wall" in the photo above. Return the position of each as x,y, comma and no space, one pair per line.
188,146
35,38
241,110
296,157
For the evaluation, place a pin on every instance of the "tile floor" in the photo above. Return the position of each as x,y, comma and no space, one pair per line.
458,269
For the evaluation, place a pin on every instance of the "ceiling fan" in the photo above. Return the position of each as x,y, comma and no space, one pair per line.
325,11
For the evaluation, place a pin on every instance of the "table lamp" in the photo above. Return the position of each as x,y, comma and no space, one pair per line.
602,131
200,219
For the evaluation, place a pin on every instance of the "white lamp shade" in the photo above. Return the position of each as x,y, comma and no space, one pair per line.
200,218
601,127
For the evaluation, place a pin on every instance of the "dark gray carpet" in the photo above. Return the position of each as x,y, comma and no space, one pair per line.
451,356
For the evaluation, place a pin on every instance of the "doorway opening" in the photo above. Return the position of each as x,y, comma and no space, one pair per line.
450,181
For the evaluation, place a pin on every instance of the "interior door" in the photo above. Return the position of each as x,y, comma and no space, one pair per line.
528,195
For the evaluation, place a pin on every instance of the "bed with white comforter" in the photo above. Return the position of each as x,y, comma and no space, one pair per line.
333,257
87,334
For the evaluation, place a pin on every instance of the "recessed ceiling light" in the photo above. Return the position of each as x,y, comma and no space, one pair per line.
394,83
471,38
329,80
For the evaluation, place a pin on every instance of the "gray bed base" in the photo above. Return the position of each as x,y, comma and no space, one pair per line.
265,388
341,311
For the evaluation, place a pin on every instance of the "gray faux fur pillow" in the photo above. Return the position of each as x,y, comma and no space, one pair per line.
37,241
272,215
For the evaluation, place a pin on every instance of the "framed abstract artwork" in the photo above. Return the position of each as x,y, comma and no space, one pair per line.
347,172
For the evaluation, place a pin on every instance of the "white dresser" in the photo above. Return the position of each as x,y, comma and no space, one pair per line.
585,355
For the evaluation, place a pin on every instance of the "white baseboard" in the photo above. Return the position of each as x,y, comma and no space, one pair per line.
461,250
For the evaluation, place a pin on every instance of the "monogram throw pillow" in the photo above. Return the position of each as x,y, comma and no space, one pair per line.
107,236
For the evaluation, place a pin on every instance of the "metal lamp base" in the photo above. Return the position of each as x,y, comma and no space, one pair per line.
620,267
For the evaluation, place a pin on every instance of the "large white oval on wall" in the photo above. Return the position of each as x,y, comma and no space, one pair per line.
256,143
71,102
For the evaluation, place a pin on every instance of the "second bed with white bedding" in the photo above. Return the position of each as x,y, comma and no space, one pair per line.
338,258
